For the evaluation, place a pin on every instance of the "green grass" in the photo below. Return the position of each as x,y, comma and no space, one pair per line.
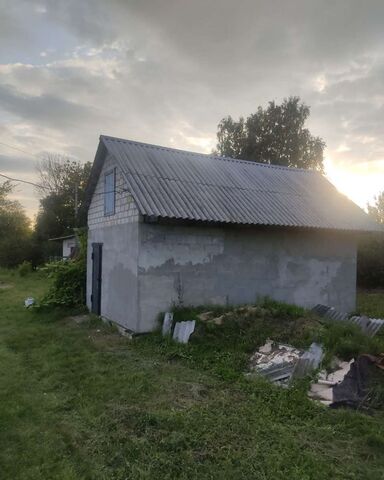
371,303
81,402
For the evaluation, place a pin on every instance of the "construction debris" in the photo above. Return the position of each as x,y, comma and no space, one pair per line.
322,389
28,302
357,389
370,326
276,362
167,324
183,331
208,317
348,384
244,311
280,363
309,361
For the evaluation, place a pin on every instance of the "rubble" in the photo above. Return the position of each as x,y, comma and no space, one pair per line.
207,317
281,363
322,389
276,362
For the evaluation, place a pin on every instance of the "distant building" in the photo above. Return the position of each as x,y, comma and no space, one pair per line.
69,245
168,227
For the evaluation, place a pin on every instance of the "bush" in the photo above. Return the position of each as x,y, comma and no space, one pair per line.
69,281
370,262
24,268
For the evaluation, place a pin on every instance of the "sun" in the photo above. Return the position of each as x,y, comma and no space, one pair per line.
360,182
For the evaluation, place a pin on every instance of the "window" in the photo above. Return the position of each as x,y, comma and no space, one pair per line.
109,192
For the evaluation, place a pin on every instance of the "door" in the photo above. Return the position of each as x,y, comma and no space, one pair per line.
97,250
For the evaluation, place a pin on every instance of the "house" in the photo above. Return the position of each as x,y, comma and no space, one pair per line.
68,245
169,227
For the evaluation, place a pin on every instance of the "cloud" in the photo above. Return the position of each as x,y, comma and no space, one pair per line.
167,72
15,164
44,109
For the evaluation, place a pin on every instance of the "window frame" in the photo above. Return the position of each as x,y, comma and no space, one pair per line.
113,192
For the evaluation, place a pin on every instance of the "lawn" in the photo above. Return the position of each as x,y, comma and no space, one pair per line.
78,401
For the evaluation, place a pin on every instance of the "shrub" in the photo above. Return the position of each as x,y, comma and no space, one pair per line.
24,268
69,280
370,262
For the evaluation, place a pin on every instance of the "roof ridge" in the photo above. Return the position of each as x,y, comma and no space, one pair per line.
208,155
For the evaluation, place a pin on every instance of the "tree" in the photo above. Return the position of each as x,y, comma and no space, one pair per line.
15,229
376,211
62,187
370,258
274,135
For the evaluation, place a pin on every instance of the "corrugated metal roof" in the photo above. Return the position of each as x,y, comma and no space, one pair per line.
178,184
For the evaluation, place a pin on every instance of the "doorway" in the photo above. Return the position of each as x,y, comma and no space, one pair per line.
97,253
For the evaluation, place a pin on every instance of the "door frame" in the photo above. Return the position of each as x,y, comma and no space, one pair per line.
97,262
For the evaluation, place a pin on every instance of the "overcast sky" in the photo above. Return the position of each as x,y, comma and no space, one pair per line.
167,71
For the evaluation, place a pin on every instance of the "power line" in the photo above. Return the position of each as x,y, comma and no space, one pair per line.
19,149
22,181
47,188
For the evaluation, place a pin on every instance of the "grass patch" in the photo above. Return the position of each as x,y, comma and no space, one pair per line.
225,349
371,303
78,401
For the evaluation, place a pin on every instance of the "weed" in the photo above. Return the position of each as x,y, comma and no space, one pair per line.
24,268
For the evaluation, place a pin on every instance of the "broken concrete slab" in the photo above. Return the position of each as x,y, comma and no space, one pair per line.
276,362
183,331
281,363
322,389
208,317
167,324
205,316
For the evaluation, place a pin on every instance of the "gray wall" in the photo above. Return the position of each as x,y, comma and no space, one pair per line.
119,287
119,234
148,267
213,265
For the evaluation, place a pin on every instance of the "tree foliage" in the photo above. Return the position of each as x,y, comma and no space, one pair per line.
60,179
370,260
15,229
376,211
274,135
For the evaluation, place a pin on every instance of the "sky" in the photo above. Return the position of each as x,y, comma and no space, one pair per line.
166,72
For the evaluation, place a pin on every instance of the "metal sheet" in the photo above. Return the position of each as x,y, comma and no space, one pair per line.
176,184
370,326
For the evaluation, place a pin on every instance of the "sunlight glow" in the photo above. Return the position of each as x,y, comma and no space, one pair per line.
359,182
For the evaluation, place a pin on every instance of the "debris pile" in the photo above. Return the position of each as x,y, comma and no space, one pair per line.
346,384
322,389
349,384
181,331
370,326
245,311
281,363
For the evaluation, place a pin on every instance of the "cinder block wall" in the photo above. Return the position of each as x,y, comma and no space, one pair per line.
213,265
119,234
148,267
